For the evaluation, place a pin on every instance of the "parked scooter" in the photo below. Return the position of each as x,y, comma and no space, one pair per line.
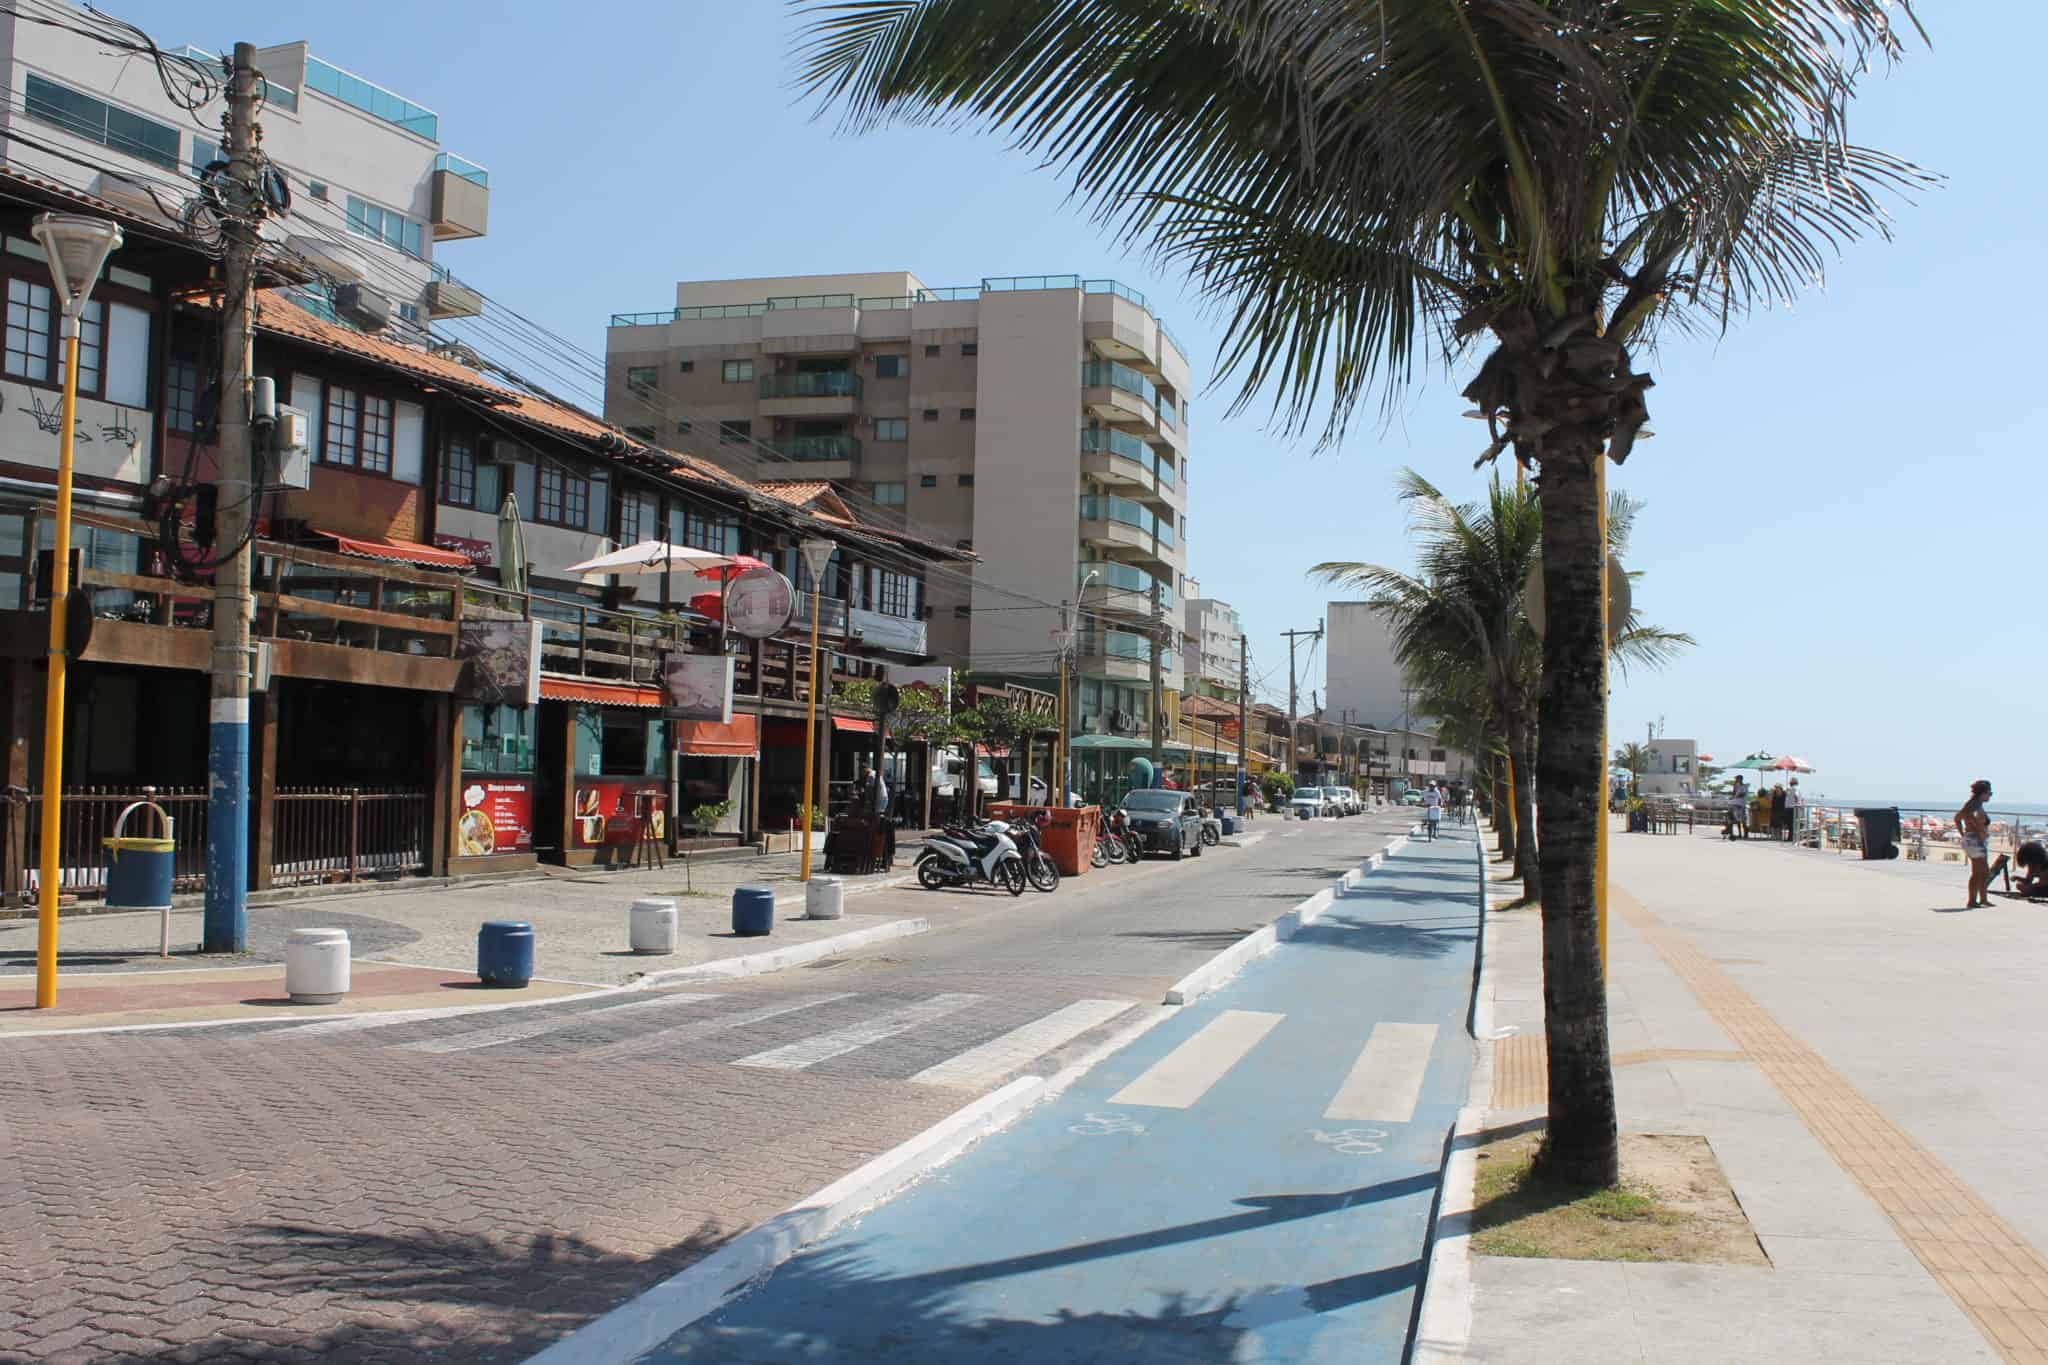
964,857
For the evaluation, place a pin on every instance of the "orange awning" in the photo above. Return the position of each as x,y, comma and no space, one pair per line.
600,694
709,739
857,726
398,551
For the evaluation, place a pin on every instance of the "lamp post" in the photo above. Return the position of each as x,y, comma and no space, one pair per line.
817,555
1061,754
77,248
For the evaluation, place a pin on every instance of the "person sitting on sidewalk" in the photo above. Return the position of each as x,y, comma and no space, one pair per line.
2032,861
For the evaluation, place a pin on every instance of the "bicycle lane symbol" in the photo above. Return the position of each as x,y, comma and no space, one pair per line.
1352,1141
1102,1125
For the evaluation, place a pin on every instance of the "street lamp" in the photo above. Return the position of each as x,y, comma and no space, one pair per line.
77,248
1062,756
817,556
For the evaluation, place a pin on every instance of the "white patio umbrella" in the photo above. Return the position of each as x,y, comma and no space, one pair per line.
650,556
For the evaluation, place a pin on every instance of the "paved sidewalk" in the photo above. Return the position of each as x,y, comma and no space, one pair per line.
1864,1068
1251,1180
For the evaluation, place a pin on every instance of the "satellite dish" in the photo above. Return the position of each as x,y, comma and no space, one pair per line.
1618,599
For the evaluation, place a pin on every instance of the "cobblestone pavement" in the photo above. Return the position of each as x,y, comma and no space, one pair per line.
474,1187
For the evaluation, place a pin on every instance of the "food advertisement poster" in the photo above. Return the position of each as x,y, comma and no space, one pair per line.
607,810
699,687
497,815
502,662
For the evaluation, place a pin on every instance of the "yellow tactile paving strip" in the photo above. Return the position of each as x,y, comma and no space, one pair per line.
1521,1067
1983,1263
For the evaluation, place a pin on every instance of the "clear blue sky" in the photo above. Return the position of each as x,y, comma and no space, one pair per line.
1841,498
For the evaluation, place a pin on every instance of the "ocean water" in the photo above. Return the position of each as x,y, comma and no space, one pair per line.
1924,804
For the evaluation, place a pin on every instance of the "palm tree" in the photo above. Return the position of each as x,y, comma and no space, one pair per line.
1359,183
1634,758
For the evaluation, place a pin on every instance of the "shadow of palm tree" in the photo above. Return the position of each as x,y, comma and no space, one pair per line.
1412,939
1213,938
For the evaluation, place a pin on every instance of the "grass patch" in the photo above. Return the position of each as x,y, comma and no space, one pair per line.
1673,1204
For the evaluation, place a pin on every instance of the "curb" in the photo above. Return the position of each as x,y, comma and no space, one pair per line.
775,959
1443,1319
1242,840
1259,942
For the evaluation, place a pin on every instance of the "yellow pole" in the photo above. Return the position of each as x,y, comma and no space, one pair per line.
53,696
1600,829
811,735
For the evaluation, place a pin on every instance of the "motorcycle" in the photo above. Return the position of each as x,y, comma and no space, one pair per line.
1212,828
1120,830
1039,868
963,857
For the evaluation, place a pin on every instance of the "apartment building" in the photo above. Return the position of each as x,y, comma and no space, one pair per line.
1038,420
1214,641
372,193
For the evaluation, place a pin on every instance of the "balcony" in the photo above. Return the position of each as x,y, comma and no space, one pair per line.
1116,457
448,297
811,449
1121,589
372,99
1115,523
879,630
1120,655
831,616
811,393
462,199
1118,393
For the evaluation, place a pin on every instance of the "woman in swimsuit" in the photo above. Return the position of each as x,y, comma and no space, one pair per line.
1975,826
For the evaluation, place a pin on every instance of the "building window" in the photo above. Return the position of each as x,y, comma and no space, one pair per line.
318,189
892,429
891,366
28,330
686,367
931,350
967,414
380,224
181,393
376,435
701,530
564,498
737,372
204,153
927,481
970,348
889,494
646,434
338,441
629,519
1436,755
643,377
409,312
967,481
735,433
115,129
895,593
931,414
683,427
458,474
961,612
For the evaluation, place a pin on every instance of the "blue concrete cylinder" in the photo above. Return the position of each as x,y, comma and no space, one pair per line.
1229,825
504,952
753,910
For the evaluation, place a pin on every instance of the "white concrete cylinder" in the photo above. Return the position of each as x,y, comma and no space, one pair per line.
651,927
316,966
824,898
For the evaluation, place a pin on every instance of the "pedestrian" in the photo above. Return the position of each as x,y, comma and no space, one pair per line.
1738,814
1975,826
1792,805
1432,809
1781,824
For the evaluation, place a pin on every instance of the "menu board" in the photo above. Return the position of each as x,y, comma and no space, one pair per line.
607,810
497,815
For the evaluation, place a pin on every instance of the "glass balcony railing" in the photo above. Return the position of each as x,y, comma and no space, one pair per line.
1097,374
468,170
781,302
1125,578
1122,291
819,384
372,99
1117,644
1004,284
1168,414
1099,507
1103,441
820,448
1162,469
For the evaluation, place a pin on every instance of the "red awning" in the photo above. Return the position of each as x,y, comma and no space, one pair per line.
859,727
600,694
709,739
398,551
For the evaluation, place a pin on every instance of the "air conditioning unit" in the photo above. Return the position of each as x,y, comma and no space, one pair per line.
362,306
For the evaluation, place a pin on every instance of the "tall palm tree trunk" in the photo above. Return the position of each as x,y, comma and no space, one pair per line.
1499,805
1526,866
1506,813
1571,733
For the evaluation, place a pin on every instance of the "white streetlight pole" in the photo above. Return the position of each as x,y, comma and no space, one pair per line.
77,248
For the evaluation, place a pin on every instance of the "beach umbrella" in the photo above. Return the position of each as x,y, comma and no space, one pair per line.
649,556
1757,761
1789,764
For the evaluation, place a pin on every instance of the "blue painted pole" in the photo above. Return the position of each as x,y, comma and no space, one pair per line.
225,927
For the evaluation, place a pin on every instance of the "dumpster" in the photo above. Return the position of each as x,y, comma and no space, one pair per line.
139,869
1880,826
1068,837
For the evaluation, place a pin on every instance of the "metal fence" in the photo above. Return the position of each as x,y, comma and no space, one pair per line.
86,819
341,834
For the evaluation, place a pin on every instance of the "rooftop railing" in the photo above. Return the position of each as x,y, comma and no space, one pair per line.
468,170
372,99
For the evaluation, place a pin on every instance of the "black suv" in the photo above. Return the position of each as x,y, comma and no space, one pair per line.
1165,821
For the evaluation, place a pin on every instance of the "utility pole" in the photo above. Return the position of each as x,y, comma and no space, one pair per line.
225,926
1064,638
1244,684
1293,698
1158,700
1407,693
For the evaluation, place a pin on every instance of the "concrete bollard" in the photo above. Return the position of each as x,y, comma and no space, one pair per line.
651,926
316,966
753,910
504,953
825,898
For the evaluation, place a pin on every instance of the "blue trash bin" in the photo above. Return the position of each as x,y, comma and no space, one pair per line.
138,868
753,910
1229,825
504,952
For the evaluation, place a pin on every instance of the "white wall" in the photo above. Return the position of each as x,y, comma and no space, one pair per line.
1364,680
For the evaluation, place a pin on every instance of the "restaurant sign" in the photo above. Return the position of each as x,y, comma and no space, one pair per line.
478,552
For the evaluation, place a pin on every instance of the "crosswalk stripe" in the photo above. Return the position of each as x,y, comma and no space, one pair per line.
1386,1080
642,1043
1006,1052
548,1023
1185,1074
824,1047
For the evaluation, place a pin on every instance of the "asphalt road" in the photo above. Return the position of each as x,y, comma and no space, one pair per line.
478,1186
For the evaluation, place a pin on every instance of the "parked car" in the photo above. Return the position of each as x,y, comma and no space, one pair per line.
1347,800
1411,797
1165,821
1309,802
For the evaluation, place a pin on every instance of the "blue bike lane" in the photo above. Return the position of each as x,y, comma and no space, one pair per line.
1251,1180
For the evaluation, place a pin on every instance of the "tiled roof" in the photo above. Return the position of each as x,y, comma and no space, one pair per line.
795,492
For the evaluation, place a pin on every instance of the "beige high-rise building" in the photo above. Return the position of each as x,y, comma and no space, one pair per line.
1039,421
